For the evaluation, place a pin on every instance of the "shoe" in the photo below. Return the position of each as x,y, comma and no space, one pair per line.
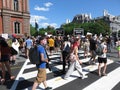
2,81
48,88
65,78
104,74
84,76
99,74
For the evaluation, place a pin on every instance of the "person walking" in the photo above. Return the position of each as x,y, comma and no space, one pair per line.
4,60
75,62
118,47
92,49
51,44
65,52
14,51
103,59
41,76
86,48
28,45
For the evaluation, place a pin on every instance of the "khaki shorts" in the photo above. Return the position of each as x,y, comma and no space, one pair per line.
41,76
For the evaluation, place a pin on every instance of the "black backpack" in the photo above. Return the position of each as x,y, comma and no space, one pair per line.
67,48
34,55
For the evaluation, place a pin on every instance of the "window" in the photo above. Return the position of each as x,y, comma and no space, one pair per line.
16,5
17,27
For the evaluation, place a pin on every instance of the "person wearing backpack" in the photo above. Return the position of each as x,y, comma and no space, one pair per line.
41,75
92,50
102,59
65,52
75,62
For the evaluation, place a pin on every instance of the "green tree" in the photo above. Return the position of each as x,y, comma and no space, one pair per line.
48,29
97,27
33,32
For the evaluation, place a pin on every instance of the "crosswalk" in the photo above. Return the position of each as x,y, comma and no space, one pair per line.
28,72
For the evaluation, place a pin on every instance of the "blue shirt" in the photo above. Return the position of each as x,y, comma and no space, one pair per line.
41,49
28,42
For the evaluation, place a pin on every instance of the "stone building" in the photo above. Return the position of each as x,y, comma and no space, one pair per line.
15,17
82,18
113,21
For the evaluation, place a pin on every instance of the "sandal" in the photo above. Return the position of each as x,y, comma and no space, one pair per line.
2,81
99,74
104,74
12,77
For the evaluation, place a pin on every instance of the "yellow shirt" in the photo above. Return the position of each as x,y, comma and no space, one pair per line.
51,42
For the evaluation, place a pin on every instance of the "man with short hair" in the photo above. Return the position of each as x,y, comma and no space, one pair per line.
41,76
51,43
92,50
28,44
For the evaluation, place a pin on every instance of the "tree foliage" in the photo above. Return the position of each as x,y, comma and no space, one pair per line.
97,27
33,32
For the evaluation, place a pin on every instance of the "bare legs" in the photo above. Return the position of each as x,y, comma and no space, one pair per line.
104,69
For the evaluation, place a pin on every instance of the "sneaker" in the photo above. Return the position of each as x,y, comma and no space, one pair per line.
48,88
84,76
65,78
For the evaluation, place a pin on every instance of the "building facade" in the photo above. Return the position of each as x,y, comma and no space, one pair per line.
113,21
82,18
15,17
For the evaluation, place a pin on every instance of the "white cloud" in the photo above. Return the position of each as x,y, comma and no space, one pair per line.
41,8
48,24
48,4
41,20
37,18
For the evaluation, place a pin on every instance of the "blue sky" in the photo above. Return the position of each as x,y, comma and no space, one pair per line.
55,12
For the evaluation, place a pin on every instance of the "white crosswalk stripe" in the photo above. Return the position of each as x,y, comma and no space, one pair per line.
57,82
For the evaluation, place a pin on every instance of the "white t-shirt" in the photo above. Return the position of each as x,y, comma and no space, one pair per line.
104,55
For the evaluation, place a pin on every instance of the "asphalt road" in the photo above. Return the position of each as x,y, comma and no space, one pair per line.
76,84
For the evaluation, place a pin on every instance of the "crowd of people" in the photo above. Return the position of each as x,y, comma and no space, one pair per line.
69,47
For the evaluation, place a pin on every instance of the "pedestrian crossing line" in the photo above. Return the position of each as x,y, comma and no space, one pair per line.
61,82
54,56
34,73
19,76
79,84
117,87
58,81
59,52
113,78
25,76
30,66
